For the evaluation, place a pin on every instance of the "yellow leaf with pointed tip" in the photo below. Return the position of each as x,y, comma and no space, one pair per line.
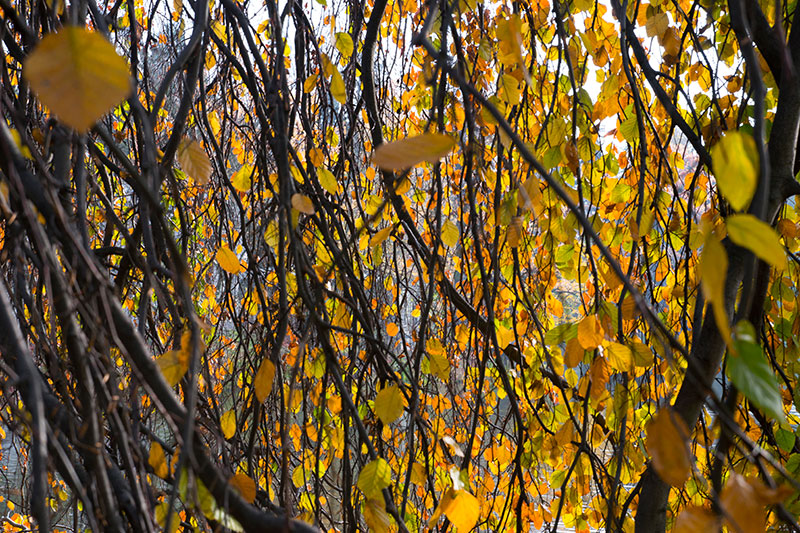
194,161
440,366
619,356
389,404
376,517
344,43
302,203
242,180
158,460
757,236
405,153
374,477
308,85
338,90
245,485
381,236
735,159
327,180
264,378
573,353
228,423
657,25
713,269
78,75
667,437
463,510
450,234
172,366
228,260
590,333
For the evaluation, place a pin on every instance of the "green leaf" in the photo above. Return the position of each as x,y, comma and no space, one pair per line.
785,439
750,372
561,333
78,75
374,477
406,153
757,236
735,159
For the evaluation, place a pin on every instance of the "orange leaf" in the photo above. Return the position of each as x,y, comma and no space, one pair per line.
245,485
667,436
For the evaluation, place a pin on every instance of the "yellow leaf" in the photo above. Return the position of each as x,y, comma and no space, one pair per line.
228,423
374,477
757,236
406,153
376,517
344,43
194,161
450,234
264,378
245,485
327,180
228,260
574,353
392,329
713,269
316,156
308,85
172,366
657,25
158,460
338,90
590,333
694,519
667,437
619,356
162,510
463,510
389,404
78,75
735,159
440,366
510,89
302,203
381,236
242,180
744,511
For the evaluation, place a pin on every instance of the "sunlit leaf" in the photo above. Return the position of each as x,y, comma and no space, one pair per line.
590,333
619,356
735,159
302,203
389,404
78,75
228,260
667,436
450,234
695,519
749,232
344,43
463,510
242,179
376,517
327,180
173,366
405,153
374,477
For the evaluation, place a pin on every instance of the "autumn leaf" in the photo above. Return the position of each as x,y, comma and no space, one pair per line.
376,517
695,519
389,404
263,380
245,485
194,161
228,260
749,232
344,43
327,180
405,153
242,179
666,441
78,75
450,234
173,366
463,510
302,203
590,333
735,160
713,269
374,477
158,461
228,423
